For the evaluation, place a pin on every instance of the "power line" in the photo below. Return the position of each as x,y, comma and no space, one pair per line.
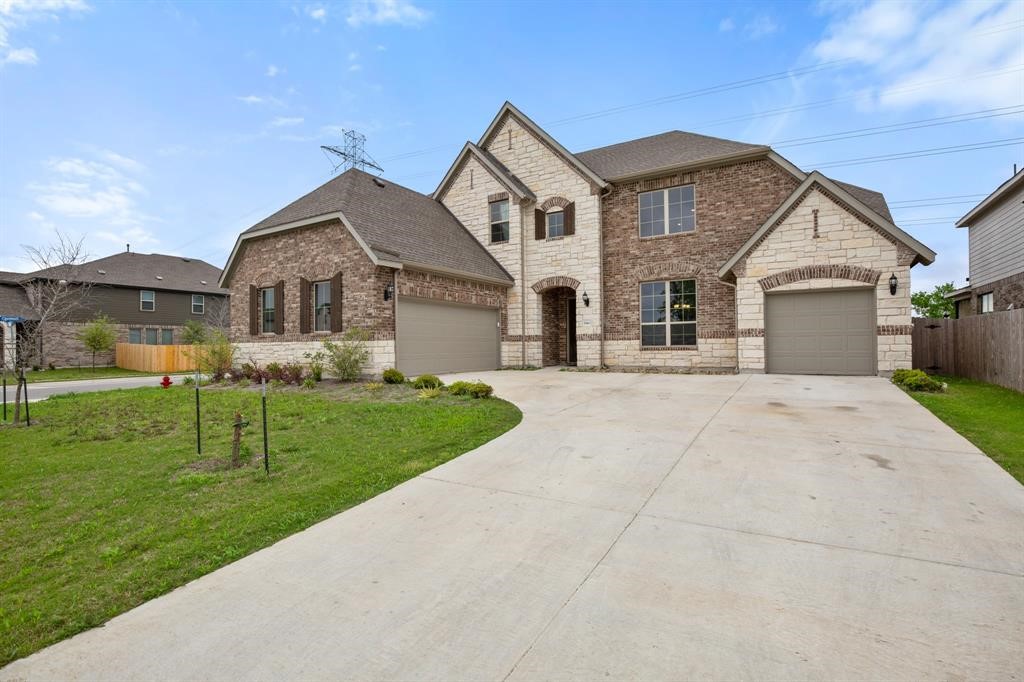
927,205
950,196
919,153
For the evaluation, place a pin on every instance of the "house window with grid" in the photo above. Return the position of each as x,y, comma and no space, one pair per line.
556,224
667,211
147,301
668,313
322,306
198,304
987,302
267,310
499,221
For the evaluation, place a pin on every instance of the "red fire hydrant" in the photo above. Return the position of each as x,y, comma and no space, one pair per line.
166,381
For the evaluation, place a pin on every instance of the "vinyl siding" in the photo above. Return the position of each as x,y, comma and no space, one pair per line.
121,304
997,241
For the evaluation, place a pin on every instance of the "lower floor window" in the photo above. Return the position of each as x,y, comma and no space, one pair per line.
134,336
668,313
987,303
267,310
321,306
167,337
151,336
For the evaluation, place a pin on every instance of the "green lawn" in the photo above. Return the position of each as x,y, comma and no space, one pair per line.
73,373
990,416
104,503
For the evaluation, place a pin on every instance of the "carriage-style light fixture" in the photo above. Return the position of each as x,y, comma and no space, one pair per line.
389,291
893,282
586,300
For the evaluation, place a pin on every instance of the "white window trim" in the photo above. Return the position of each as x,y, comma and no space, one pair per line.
667,323
664,208
492,223
141,300
202,304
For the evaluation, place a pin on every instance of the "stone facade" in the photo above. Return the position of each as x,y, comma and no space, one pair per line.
822,244
731,203
63,348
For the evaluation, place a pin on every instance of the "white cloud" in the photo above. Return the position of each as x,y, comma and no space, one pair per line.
274,71
760,26
355,67
963,53
401,12
16,14
260,99
286,121
317,13
726,25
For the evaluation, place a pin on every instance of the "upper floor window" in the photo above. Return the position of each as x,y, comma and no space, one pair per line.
147,300
499,221
555,224
668,313
267,310
322,306
198,304
667,211
987,302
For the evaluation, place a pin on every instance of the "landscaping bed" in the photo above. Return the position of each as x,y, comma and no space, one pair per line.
105,504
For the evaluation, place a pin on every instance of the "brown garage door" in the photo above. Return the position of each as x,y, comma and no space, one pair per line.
441,337
821,332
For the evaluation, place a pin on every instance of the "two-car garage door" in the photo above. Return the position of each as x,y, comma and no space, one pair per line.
821,332
442,337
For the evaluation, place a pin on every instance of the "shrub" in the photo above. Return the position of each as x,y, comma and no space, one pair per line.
374,386
348,357
188,381
460,387
316,365
481,390
427,381
428,393
393,376
293,373
274,371
215,356
915,380
193,333
309,382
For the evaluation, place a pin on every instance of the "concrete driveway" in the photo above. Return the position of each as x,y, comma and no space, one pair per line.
633,527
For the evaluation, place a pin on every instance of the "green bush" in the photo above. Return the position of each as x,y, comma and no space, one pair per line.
373,386
215,355
393,376
428,393
316,364
481,390
460,387
915,380
349,356
309,382
427,381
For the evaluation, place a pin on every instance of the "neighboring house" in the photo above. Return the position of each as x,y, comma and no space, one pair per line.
677,251
995,238
149,297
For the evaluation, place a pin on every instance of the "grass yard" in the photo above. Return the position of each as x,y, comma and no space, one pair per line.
104,503
990,416
74,373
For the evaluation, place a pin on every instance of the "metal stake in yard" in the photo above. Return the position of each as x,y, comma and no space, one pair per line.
199,440
266,446
24,391
5,393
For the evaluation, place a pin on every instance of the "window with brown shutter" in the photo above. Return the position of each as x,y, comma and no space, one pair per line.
279,298
336,302
254,328
540,224
569,218
304,306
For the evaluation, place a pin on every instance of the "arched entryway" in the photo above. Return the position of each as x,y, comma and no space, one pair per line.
558,319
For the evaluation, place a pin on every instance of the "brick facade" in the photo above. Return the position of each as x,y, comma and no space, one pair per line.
1005,292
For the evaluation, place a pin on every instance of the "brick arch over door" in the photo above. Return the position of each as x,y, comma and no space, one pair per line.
552,282
854,273
554,201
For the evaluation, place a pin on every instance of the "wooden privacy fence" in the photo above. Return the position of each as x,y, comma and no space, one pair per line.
150,358
987,347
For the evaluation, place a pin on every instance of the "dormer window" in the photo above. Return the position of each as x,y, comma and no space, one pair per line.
499,221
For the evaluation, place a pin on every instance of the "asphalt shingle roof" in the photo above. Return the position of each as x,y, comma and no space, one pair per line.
674,148
395,222
148,271
872,199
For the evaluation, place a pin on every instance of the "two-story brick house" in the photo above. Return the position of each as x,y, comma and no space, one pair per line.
676,251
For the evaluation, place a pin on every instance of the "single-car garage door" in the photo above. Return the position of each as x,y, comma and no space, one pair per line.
821,332
441,337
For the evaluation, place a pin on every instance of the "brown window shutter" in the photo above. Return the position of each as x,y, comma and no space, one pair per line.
336,303
305,307
279,307
569,218
254,310
540,224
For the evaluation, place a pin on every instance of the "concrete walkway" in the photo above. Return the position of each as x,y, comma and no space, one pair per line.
633,527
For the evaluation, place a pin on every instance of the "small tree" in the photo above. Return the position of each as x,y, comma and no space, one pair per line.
215,356
933,303
348,357
99,336
193,333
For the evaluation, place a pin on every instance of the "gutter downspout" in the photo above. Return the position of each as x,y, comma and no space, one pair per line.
522,284
600,268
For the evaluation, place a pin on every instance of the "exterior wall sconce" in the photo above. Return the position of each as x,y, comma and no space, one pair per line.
586,300
389,291
893,282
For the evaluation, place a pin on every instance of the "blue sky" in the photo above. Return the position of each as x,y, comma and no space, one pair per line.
173,126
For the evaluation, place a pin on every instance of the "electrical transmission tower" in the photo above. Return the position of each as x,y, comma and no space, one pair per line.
351,154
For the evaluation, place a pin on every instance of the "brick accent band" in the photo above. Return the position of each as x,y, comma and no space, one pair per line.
528,338
751,332
895,329
498,196
557,281
554,201
851,272
679,268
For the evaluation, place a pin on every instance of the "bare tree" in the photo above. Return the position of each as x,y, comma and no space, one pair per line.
56,291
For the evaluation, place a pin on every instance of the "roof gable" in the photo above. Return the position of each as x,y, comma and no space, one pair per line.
815,178
497,170
992,200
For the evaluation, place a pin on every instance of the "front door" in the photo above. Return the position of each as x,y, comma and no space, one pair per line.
570,331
